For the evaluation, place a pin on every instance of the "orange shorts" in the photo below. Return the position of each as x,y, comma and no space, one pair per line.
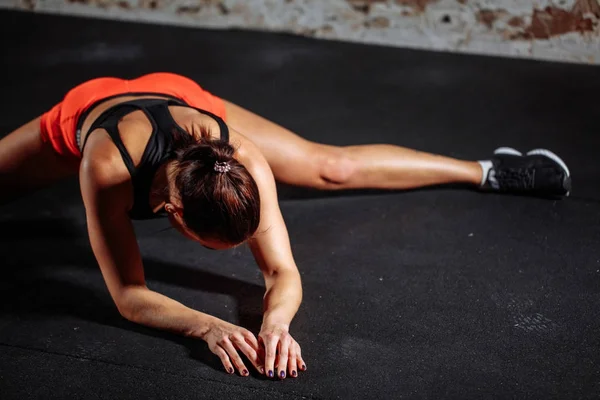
59,125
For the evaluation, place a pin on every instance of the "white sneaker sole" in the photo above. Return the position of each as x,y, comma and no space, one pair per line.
508,151
552,156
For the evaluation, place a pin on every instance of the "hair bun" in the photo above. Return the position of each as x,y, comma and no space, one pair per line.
222,166
219,195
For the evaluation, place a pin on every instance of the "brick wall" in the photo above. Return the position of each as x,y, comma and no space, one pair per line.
562,30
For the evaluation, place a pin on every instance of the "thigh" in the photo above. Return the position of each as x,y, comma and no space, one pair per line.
293,159
28,163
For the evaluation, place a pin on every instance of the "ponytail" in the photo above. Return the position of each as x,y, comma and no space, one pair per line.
220,198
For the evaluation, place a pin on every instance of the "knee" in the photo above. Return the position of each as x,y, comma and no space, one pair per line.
336,166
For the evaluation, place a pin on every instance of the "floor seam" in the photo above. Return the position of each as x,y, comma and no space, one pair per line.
300,396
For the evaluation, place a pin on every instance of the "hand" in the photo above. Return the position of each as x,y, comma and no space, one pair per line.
276,339
225,339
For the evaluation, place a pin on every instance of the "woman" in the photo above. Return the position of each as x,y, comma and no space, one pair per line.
160,144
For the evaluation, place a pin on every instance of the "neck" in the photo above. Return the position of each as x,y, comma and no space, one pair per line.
159,192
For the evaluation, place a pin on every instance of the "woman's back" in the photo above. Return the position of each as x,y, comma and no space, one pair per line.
136,135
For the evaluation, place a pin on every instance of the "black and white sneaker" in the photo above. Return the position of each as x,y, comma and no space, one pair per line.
540,172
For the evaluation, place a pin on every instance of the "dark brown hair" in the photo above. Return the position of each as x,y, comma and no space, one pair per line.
222,206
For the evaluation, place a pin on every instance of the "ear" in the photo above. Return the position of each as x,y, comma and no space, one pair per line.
174,210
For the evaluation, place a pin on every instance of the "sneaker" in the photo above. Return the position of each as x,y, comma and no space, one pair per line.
539,172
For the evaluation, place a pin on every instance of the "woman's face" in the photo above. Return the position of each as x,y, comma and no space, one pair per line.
176,221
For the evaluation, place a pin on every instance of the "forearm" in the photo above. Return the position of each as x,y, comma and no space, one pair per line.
154,310
283,297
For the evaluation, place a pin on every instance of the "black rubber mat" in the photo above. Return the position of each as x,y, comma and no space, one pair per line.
438,293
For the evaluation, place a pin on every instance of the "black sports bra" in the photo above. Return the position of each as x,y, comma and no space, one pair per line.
158,150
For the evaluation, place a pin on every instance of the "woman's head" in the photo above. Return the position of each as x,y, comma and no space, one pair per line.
217,199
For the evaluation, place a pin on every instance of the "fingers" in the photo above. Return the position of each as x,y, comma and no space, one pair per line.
282,355
299,360
276,350
222,354
292,360
270,342
234,356
249,348
227,348
295,361
251,339
284,349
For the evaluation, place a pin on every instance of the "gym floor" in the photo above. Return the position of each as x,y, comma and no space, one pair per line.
437,293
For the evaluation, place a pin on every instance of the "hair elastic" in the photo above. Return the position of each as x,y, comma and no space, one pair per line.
222,167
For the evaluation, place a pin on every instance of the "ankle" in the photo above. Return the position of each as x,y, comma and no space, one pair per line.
485,166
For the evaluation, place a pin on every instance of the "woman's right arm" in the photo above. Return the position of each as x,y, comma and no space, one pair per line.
105,191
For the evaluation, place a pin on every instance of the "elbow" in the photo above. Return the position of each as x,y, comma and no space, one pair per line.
128,304
125,311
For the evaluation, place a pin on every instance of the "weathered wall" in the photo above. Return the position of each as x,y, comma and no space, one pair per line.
565,30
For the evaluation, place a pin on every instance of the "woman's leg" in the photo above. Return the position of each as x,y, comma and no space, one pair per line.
297,161
27,163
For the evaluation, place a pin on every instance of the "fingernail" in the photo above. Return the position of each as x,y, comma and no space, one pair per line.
303,367
245,372
230,370
282,374
270,374
294,373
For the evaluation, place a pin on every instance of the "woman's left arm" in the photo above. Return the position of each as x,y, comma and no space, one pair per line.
272,250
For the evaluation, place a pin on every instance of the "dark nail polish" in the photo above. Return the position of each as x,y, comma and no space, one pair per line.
230,370
270,374
294,373
282,374
303,367
245,372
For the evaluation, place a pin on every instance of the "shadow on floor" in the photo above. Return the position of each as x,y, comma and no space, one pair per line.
30,285
288,192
